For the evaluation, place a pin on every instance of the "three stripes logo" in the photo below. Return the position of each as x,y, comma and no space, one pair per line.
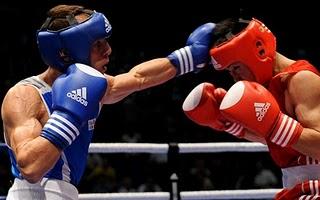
261,109
79,95
215,63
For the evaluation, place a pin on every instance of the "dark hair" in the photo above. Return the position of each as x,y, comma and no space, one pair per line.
227,28
58,16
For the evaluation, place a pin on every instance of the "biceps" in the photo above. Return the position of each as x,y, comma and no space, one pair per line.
120,87
24,133
305,98
308,116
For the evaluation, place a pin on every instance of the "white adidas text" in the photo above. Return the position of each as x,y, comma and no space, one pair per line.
79,95
261,109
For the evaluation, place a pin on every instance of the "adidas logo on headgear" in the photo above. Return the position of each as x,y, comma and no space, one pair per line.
261,109
79,95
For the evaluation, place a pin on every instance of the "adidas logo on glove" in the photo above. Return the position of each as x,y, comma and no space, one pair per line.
261,109
79,95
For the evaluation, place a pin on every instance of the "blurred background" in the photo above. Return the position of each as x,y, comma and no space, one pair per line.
144,30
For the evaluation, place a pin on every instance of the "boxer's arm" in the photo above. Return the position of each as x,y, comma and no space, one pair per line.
192,57
20,114
248,135
306,101
142,76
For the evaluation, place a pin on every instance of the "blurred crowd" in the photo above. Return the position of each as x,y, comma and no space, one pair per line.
151,173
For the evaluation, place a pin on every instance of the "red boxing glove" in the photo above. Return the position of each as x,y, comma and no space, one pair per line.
308,189
202,107
254,107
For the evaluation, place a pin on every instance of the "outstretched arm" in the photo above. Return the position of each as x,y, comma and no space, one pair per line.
142,76
193,56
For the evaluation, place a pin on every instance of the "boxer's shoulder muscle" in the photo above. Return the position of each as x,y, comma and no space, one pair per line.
22,105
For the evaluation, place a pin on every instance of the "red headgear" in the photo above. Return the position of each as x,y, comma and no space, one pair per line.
254,47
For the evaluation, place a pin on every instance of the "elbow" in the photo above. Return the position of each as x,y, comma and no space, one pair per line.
28,170
30,176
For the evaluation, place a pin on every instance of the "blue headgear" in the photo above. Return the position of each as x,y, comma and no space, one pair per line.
75,40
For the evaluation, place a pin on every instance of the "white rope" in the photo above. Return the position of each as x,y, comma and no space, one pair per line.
128,148
126,196
222,147
183,147
230,194
191,195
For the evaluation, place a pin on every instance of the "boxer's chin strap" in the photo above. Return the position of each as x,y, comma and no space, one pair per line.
71,20
45,25
245,21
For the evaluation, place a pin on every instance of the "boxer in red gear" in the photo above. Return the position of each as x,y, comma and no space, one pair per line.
250,54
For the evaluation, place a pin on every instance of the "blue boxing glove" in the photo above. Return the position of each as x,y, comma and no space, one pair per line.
76,99
196,54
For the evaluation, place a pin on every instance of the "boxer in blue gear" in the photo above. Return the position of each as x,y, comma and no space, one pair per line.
49,118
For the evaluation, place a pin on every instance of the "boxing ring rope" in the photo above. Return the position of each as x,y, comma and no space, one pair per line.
179,148
194,195
183,147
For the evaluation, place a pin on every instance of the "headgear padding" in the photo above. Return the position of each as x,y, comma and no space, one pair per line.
255,47
75,41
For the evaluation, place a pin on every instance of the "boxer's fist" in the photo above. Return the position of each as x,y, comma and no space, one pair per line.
202,107
196,54
254,107
76,99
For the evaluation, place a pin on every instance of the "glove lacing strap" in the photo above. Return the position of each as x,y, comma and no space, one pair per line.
185,62
60,130
286,131
235,129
